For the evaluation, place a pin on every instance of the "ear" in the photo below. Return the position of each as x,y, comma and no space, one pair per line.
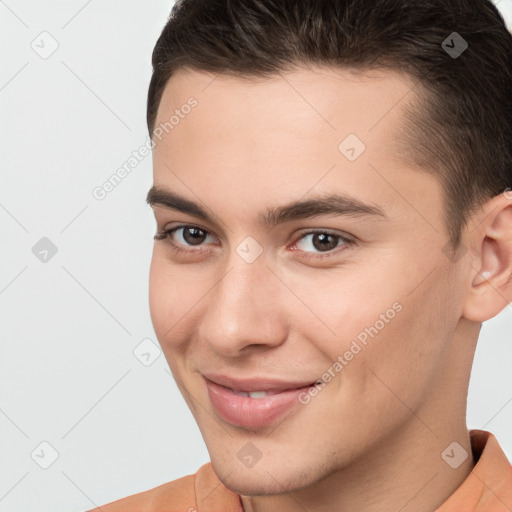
490,273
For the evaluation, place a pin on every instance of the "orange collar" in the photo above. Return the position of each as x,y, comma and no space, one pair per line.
488,488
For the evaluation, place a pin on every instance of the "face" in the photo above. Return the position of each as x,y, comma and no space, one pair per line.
338,313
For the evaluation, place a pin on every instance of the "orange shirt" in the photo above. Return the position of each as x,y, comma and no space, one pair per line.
488,488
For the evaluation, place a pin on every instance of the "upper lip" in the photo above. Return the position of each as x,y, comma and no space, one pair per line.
256,383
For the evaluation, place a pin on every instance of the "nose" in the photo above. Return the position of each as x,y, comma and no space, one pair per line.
244,311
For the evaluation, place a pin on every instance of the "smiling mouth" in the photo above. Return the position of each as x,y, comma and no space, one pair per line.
257,385
254,408
253,394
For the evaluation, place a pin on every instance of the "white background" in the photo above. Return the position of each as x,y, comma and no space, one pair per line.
69,326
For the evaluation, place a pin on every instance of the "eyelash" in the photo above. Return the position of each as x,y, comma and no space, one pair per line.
347,242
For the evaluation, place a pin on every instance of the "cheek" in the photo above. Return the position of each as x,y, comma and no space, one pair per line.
158,295
167,299
349,304
176,296
376,324
400,361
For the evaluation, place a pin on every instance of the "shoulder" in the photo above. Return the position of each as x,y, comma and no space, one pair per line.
178,494
187,494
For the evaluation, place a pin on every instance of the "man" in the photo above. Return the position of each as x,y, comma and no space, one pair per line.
334,223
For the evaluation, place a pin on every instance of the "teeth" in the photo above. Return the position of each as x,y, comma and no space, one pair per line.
240,393
252,394
257,394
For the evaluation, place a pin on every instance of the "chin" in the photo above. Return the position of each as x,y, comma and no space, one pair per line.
255,484
264,481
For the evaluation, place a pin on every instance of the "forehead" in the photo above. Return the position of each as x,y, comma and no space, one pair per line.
315,94
283,136
300,111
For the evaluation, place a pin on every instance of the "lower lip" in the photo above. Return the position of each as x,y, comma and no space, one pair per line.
244,411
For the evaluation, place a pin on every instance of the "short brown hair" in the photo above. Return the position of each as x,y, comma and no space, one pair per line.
461,127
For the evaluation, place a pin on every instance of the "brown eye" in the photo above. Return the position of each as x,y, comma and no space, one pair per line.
320,241
324,242
185,236
193,235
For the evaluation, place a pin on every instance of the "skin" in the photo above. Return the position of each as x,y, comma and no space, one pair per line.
372,438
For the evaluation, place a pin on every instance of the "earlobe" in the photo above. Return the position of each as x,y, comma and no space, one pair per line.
491,270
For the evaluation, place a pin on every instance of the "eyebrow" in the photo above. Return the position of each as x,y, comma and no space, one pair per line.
325,204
